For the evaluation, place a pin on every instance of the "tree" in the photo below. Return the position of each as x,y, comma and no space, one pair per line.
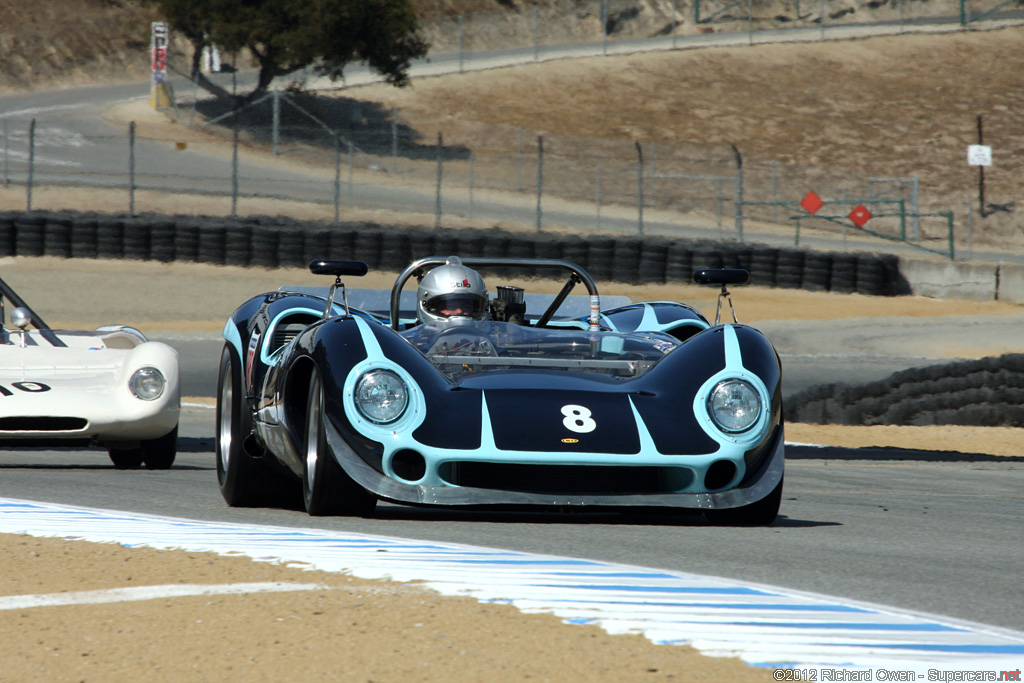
284,36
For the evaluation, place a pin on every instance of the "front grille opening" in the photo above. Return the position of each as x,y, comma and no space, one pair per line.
567,479
719,474
42,424
408,465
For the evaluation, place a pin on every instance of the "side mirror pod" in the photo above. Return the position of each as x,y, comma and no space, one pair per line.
722,276
337,268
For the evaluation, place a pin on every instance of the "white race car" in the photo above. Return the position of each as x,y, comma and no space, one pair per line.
109,387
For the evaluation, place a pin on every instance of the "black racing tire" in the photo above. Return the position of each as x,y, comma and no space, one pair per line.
125,459
241,477
159,453
326,488
761,513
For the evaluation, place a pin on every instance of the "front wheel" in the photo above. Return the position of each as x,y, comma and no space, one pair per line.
125,459
242,481
760,513
326,488
158,454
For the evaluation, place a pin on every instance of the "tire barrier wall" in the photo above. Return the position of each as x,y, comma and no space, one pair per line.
271,242
988,393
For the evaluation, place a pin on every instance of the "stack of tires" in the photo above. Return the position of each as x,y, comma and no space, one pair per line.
272,242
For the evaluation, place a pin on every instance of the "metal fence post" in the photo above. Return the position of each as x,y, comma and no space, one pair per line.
131,168
903,221
351,173
970,226
440,173
540,177
460,43
337,177
640,189
775,195
7,179
750,22
652,175
276,129
472,164
739,193
674,24
536,34
31,163
597,193
394,141
604,27
949,225
519,160
917,211
234,172
721,200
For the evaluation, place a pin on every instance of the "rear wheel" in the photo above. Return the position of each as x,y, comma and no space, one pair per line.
326,488
241,479
761,513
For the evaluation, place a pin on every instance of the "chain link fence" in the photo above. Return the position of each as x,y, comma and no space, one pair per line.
358,155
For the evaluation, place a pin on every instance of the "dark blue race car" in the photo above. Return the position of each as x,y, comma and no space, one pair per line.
561,401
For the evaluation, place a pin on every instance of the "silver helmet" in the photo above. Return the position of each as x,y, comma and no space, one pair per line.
451,291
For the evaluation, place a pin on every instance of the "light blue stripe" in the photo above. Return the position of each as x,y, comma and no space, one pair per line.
723,590
942,647
852,625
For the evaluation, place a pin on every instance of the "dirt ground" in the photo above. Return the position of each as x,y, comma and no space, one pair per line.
349,630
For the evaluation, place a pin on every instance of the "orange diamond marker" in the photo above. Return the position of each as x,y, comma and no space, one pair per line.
860,215
811,202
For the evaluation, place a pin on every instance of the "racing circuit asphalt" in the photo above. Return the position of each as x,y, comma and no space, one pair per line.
936,533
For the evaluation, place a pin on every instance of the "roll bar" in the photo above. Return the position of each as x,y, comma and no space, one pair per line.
576,274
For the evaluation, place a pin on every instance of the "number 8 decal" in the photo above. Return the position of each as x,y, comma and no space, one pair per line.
577,419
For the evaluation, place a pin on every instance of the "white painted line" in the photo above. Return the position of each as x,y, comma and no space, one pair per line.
40,110
763,625
136,593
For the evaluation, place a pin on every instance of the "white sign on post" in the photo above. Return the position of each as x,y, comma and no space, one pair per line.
979,155
158,42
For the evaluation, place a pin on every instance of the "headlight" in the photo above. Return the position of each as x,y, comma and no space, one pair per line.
734,405
147,384
381,396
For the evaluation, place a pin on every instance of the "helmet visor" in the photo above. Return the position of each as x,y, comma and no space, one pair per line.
460,305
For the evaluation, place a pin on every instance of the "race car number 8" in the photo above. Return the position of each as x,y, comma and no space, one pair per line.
577,419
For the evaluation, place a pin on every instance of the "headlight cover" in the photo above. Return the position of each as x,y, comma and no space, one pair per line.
734,405
147,384
381,396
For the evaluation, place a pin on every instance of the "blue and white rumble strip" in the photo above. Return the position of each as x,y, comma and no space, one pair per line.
763,625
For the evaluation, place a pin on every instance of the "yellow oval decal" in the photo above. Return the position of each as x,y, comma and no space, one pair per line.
570,440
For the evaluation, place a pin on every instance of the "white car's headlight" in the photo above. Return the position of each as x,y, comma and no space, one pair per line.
147,384
734,405
381,396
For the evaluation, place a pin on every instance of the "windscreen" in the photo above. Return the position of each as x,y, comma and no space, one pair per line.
485,346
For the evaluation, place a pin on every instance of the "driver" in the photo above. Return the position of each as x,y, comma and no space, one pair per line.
451,292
